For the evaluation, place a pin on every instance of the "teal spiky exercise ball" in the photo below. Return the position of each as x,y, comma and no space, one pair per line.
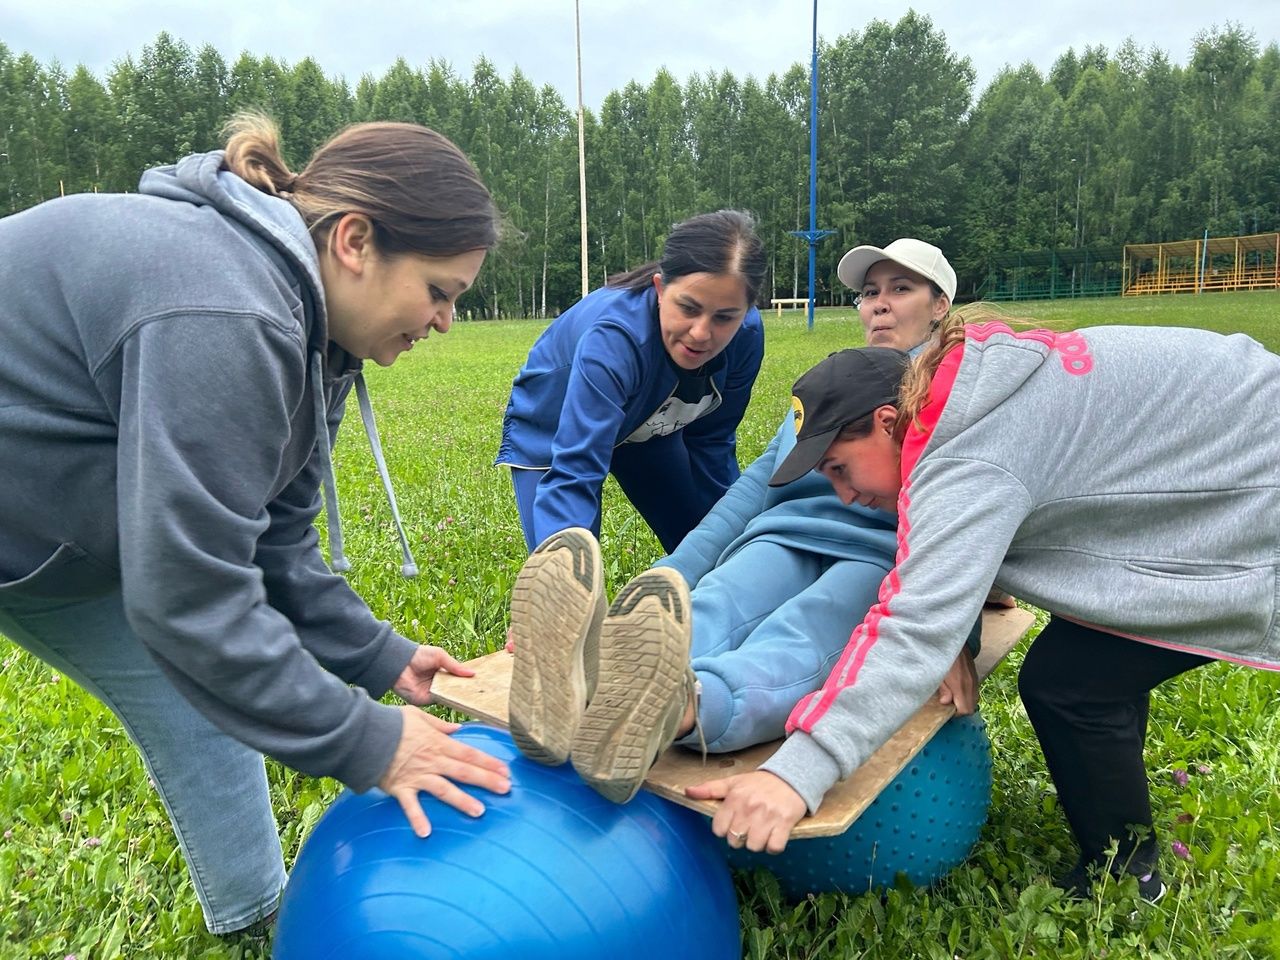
922,825
551,870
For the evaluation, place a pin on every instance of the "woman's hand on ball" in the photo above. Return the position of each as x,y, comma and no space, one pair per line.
759,809
429,759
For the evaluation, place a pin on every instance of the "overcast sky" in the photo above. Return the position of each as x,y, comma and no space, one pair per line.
622,39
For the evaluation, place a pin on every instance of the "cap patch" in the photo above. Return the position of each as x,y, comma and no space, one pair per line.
798,407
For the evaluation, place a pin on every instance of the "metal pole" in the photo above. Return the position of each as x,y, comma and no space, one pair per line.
813,234
813,162
582,152
1204,256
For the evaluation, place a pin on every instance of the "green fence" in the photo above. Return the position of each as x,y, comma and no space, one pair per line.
1054,274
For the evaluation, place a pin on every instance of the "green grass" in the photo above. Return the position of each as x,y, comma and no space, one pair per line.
89,867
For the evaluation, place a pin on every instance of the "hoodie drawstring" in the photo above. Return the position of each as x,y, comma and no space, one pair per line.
338,562
408,568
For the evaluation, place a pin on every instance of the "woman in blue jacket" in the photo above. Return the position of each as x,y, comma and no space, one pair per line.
646,379
175,363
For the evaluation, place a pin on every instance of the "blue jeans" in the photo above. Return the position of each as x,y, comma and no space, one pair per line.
213,787
769,624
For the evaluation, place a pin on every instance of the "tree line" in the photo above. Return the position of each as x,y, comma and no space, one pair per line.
1106,148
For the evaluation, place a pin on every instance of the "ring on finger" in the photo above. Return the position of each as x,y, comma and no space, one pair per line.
737,837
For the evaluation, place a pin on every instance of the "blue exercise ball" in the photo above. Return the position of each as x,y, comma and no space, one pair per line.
550,870
923,825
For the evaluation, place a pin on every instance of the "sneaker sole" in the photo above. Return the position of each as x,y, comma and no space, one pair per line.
557,603
644,655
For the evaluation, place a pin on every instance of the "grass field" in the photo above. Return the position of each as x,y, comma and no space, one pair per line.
89,868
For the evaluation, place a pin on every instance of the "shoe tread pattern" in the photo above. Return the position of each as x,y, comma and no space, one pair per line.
556,603
644,656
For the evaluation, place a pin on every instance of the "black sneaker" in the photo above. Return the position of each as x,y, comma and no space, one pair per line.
1151,888
256,933
1078,881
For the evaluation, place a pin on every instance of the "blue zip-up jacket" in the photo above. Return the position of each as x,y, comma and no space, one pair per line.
594,376
163,409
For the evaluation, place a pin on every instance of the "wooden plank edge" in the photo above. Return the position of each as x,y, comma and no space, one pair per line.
844,803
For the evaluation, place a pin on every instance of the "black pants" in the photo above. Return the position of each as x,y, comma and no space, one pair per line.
658,479
1087,694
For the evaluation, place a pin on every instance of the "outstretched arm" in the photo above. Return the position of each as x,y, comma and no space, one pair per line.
956,520
607,373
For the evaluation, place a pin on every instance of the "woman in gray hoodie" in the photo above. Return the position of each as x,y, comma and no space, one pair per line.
1125,479
175,366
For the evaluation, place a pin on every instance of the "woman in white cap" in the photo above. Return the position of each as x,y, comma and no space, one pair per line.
904,291
779,579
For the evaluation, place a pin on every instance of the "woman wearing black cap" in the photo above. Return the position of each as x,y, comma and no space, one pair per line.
1065,467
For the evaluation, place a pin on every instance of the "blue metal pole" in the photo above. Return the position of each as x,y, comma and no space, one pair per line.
813,234
813,164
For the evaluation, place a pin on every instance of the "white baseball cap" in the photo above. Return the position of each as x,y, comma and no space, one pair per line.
924,258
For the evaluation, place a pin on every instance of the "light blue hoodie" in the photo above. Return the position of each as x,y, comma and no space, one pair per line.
164,371
805,515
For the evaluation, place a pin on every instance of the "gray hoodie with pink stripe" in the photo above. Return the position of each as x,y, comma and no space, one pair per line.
1126,478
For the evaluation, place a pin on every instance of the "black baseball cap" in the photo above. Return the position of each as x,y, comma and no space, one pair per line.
843,388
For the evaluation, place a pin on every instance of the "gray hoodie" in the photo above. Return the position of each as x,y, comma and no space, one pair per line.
161,387
1124,478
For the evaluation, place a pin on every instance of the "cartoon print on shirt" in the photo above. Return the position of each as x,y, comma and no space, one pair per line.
674,414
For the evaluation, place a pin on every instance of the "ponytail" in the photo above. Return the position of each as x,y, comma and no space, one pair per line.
418,189
947,335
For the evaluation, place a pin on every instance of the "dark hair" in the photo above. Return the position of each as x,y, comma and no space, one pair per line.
859,428
419,190
724,242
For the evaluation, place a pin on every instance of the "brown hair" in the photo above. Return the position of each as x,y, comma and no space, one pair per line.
857,429
419,190
949,334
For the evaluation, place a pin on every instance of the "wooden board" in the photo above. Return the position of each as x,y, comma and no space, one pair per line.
484,697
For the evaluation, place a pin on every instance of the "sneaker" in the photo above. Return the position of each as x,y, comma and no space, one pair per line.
1151,888
645,687
256,933
1078,881
557,605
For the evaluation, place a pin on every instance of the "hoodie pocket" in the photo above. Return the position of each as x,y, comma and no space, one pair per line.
1220,607
1183,570
69,574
